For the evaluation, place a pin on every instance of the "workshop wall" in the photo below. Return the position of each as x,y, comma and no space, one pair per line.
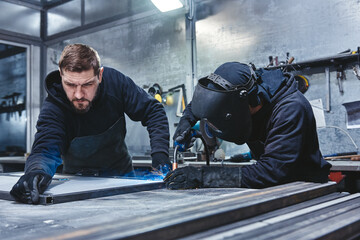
149,50
251,31
153,50
12,123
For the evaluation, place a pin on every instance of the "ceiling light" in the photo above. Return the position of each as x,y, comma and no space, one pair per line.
167,5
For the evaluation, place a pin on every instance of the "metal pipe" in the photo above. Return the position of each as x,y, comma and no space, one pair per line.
327,98
175,162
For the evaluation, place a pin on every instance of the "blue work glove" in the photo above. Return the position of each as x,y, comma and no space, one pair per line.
161,162
184,135
30,186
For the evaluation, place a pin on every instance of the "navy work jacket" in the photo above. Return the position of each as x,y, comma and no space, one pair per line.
58,124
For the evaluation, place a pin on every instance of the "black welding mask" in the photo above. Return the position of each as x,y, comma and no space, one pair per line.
223,105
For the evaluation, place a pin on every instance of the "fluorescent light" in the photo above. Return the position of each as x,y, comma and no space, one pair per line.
167,5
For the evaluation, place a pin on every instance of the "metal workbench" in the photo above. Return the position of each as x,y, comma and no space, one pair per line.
290,211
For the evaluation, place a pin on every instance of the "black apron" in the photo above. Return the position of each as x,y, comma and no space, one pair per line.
104,154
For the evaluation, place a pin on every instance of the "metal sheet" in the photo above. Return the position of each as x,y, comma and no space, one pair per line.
251,221
340,165
287,224
181,222
66,188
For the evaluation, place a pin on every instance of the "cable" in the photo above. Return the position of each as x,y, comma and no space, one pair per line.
352,140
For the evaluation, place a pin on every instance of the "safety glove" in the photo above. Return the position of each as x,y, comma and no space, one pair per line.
184,136
30,186
203,177
161,162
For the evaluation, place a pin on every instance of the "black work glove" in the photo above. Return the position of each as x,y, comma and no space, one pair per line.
161,162
30,186
204,177
182,133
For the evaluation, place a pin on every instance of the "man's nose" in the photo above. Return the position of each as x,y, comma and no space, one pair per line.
79,92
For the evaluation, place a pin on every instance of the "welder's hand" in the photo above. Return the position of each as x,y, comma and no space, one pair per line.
184,178
161,162
30,185
182,133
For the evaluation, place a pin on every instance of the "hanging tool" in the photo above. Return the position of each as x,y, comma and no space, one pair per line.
340,76
302,83
356,71
156,92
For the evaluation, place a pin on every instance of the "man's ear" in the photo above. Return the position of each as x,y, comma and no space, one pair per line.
100,74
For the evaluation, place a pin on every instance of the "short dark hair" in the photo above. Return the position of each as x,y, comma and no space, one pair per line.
79,57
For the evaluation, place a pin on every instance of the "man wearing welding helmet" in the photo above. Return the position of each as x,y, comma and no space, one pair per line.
263,109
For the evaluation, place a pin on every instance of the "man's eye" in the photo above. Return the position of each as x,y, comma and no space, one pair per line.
88,84
70,84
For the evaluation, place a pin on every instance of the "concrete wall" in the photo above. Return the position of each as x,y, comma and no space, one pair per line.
149,50
13,79
250,31
153,49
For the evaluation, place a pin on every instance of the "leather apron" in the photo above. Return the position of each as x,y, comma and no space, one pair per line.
104,154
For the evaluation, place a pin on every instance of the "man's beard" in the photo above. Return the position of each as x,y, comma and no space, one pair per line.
81,107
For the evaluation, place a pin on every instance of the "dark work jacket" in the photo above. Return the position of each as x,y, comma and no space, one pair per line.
284,141
59,124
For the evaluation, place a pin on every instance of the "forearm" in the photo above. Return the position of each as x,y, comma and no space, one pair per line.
189,116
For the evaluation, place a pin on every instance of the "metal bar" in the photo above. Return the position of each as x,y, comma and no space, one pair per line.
43,24
26,3
328,90
19,37
76,196
177,223
286,225
61,198
82,13
52,4
341,226
224,230
67,188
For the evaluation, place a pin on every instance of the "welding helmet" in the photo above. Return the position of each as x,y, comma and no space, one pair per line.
222,101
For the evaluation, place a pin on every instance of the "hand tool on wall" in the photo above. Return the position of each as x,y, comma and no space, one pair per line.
340,76
302,82
356,70
156,92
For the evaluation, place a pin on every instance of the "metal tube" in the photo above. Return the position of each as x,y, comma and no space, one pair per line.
175,162
327,98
